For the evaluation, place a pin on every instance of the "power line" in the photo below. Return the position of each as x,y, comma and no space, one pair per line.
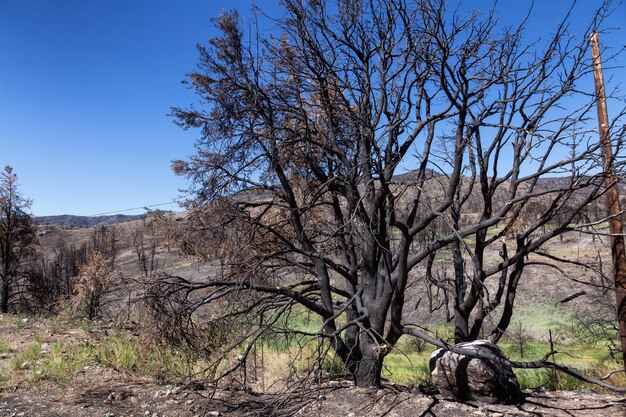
135,208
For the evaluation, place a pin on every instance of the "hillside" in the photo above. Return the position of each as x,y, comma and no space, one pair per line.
86,221
133,239
49,367
139,253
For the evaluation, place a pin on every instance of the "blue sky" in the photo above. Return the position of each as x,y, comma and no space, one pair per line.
85,88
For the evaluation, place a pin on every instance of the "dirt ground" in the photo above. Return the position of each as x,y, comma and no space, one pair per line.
109,395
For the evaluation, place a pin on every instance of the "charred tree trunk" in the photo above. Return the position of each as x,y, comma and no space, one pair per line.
4,297
367,367
4,291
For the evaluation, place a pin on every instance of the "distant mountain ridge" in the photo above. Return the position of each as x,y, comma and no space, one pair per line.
86,221
405,178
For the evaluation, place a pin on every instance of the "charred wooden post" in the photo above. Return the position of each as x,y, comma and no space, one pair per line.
615,213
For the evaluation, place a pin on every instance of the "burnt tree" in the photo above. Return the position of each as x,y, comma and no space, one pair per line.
17,236
308,126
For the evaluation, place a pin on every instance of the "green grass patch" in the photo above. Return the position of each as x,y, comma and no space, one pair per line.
408,364
588,359
469,240
407,368
126,353
27,357
5,346
5,377
119,353
86,326
578,355
21,320
62,363
491,232
544,316
58,326
284,356
552,380
280,337
443,255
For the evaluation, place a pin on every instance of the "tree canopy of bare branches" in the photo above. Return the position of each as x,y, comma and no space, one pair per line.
307,128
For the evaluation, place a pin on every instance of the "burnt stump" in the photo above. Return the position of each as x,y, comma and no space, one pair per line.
464,377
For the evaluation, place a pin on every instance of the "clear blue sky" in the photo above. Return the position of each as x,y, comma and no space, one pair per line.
85,87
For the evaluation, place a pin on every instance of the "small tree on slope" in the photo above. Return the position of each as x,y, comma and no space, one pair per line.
17,235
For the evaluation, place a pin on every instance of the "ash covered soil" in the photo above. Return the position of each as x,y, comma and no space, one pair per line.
104,392
108,394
